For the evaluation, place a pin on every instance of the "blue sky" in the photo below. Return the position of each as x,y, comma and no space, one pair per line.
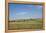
24,11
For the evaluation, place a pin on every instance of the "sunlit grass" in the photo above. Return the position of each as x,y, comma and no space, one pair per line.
30,24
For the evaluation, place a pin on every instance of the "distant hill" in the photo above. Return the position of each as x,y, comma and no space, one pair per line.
26,19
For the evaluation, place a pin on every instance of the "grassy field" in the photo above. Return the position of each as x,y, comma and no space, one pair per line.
25,24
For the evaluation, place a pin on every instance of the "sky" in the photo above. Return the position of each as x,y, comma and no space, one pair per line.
24,11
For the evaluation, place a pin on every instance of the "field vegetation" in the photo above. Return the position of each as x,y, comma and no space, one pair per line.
25,24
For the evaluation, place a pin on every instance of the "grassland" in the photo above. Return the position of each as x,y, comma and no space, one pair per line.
25,24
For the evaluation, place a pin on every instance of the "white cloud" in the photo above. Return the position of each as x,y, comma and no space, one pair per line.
21,13
39,6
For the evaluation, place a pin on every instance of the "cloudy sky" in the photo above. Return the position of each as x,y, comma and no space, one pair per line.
24,11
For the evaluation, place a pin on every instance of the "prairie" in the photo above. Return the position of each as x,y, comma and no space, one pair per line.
25,24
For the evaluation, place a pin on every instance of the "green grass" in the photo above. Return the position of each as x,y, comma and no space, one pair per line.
30,24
